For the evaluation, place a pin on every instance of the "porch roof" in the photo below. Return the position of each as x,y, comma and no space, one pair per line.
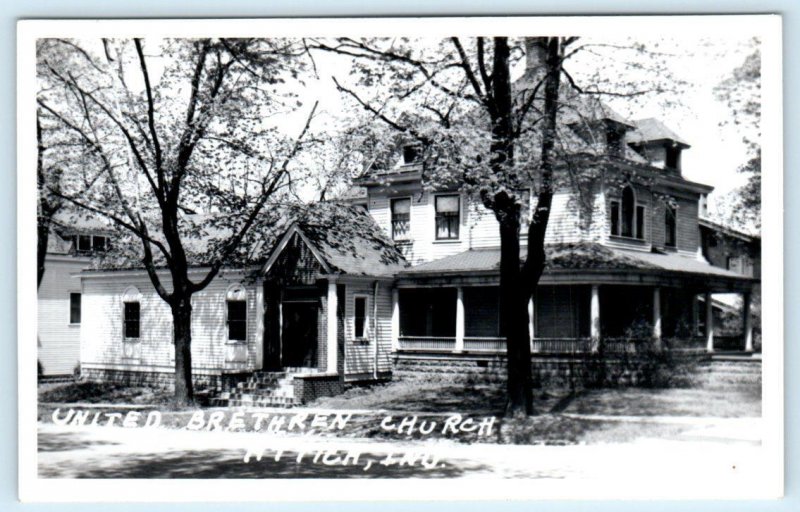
576,259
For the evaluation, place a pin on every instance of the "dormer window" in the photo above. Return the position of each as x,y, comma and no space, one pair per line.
614,140
627,217
672,157
91,243
410,154
84,243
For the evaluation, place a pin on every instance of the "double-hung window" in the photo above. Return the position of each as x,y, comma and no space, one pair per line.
448,216
75,308
236,304
360,318
132,320
401,218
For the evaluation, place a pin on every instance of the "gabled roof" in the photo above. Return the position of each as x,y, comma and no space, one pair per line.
344,239
653,130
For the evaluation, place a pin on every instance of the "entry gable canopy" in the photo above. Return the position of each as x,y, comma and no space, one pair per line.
332,238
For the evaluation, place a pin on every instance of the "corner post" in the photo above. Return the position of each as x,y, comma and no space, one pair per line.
657,317
332,334
531,325
748,321
395,319
459,319
595,318
709,323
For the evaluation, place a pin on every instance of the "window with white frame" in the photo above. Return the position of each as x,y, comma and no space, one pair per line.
236,313
627,217
89,243
74,308
360,317
448,216
132,312
401,218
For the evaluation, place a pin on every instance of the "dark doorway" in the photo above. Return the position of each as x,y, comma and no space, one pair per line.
299,336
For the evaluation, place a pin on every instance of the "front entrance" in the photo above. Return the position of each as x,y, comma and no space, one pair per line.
299,334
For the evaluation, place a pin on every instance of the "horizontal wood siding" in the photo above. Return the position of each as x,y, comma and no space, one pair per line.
59,342
102,342
688,228
360,355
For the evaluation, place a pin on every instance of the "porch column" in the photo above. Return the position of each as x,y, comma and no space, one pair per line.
594,323
395,319
531,326
709,323
332,345
657,317
748,321
459,319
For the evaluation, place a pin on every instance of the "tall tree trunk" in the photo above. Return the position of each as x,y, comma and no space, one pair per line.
513,303
182,322
42,237
514,314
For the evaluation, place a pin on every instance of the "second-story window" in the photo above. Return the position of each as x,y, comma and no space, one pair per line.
670,227
627,217
401,218
448,210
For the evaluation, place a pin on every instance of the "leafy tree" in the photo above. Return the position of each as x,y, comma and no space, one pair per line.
499,140
182,143
741,92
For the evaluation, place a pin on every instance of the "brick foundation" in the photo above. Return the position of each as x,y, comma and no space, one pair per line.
162,380
310,387
549,372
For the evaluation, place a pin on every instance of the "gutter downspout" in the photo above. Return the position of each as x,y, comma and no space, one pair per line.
375,326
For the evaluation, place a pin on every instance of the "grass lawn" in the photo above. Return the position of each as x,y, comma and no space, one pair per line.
563,417
102,393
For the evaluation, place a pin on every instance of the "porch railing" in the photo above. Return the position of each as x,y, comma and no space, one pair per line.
539,345
432,343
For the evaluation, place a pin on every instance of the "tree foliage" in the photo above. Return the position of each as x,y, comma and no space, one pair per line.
507,143
179,139
741,93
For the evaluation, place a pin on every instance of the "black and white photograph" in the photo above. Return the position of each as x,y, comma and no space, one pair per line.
524,253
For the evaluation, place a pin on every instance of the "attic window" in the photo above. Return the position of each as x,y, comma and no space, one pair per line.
673,157
614,142
410,154
89,243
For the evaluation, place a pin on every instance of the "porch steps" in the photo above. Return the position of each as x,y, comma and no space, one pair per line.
262,389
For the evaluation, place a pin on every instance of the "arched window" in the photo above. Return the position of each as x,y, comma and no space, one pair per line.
627,217
131,313
236,312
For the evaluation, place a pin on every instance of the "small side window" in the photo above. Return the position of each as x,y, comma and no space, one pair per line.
237,320
132,320
360,318
75,308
